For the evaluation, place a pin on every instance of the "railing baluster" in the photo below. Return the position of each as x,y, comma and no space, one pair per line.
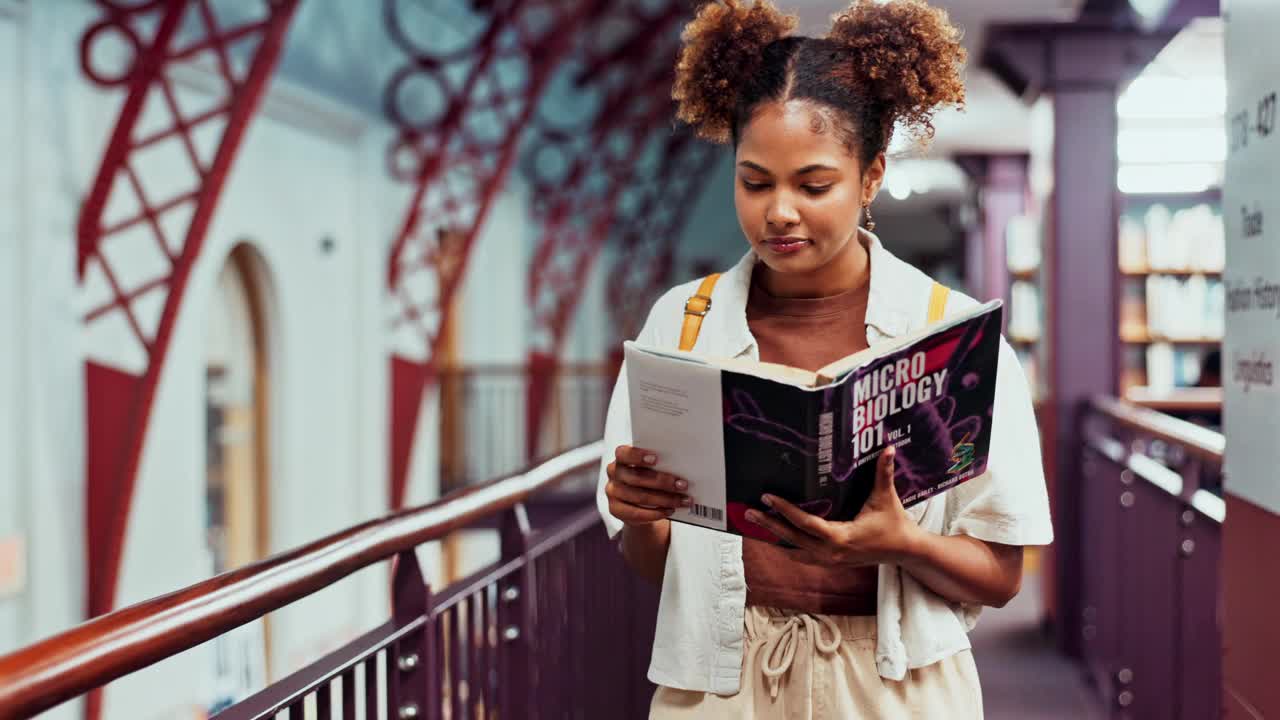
490,617
515,619
348,695
475,646
435,640
412,665
298,709
369,671
449,663
324,707
462,659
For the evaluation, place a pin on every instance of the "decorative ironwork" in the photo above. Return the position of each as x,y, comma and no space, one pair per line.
647,235
580,177
133,223
460,104
143,224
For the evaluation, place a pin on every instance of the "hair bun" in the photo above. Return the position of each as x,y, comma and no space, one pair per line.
907,55
723,45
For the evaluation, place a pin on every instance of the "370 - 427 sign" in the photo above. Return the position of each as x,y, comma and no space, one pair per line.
1261,123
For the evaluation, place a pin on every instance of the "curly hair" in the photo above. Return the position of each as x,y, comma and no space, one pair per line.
881,64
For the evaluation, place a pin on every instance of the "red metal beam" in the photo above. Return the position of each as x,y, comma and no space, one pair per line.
120,399
457,158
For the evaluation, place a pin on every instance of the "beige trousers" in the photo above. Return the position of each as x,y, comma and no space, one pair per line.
797,666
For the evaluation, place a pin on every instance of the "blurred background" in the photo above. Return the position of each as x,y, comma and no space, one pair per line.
273,268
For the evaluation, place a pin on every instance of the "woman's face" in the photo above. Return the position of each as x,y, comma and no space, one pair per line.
798,190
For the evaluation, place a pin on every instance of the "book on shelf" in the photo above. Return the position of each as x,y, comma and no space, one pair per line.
1169,367
1189,308
1188,240
736,429
1022,245
1024,311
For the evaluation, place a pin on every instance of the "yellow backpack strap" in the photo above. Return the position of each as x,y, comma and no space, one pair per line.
938,302
695,308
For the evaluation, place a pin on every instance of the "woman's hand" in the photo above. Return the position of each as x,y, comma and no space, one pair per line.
882,532
638,494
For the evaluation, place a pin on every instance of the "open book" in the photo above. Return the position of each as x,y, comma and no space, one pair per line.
736,428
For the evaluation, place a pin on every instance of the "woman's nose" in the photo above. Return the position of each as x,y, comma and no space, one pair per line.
781,212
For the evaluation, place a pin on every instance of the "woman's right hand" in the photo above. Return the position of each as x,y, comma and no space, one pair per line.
638,494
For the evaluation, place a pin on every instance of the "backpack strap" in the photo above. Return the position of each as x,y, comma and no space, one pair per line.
695,308
938,302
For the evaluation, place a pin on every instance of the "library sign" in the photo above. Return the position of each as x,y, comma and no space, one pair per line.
1250,207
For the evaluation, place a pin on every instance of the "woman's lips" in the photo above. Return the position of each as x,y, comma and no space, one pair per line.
783,245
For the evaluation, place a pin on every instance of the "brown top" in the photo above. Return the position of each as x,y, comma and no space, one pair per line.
806,333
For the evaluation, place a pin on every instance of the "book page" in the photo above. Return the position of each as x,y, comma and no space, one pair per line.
769,371
676,412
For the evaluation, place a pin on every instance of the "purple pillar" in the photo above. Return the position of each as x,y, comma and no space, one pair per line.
1002,195
1083,67
1081,297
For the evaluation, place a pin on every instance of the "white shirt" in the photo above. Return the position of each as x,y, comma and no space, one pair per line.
699,639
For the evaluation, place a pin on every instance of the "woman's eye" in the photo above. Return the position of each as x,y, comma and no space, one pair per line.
816,189
754,185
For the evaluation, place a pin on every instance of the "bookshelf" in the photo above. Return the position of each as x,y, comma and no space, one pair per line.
1171,254
1026,317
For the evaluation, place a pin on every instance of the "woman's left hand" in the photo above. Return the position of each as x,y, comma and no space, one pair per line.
882,532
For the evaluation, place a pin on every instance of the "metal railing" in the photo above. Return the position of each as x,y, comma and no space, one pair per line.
557,628
1151,548
484,417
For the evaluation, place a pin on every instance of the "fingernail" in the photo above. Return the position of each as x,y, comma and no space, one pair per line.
682,485
767,500
686,501
650,459
753,516
891,451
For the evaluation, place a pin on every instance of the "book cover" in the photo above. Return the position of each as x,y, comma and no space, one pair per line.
735,435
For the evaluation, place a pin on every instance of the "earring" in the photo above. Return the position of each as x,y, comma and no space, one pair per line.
871,223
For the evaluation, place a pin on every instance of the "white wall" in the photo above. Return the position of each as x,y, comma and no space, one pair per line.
43,365
12,524
491,305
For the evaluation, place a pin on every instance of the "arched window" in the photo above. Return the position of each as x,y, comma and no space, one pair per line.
236,411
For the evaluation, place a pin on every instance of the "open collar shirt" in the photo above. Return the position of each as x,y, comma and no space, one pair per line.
699,639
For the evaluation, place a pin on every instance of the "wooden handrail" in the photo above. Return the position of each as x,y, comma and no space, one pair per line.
1198,441
93,654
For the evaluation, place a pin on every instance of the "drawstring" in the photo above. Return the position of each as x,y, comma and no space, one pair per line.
780,648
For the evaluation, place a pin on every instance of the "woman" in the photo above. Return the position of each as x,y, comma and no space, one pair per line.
860,619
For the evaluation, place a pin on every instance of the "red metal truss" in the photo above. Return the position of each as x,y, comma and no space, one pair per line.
647,235
133,219
143,224
580,178
481,91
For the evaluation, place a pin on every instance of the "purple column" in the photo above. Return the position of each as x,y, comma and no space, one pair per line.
1002,193
1081,299
1004,196
1082,66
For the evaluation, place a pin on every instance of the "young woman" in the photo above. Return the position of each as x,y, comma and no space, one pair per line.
867,618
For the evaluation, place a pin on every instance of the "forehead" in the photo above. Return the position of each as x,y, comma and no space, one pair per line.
793,134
